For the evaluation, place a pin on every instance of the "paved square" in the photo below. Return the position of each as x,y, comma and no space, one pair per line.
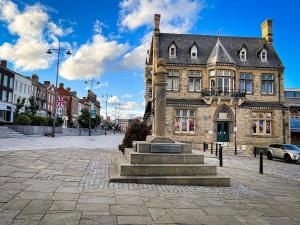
70,186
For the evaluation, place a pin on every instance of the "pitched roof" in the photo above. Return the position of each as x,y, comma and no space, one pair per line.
262,105
228,46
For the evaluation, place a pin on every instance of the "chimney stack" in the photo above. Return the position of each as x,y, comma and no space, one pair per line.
47,83
35,77
61,85
267,31
3,63
68,89
156,22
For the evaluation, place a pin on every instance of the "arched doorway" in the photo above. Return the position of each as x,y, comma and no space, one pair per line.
223,119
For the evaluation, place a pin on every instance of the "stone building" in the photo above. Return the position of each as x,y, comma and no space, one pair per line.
219,88
39,91
292,100
6,93
22,89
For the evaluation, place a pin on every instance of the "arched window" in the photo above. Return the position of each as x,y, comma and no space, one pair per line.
172,51
194,51
243,54
264,55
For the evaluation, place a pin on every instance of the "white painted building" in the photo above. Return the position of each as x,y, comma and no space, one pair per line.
22,88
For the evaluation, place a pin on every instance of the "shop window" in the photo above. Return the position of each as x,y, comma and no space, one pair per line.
262,123
184,121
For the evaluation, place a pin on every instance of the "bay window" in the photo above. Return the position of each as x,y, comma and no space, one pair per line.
172,81
184,121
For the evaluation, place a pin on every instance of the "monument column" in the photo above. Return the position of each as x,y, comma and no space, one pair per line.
159,122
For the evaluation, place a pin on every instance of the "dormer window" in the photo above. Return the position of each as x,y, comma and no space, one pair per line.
264,55
243,54
194,51
172,51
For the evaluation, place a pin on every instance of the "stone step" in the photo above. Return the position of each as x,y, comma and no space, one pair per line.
162,158
6,132
216,181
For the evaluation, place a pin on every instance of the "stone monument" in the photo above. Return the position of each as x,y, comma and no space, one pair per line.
159,159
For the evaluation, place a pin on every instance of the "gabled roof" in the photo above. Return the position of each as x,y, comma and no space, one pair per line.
219,54
207,43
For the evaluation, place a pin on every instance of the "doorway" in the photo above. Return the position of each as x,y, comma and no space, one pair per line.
222,131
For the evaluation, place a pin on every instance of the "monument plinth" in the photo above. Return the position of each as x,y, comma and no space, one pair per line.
159,159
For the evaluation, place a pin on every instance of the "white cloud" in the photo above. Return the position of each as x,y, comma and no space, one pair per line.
113,100
127,95
177,16
91,58
131,105
136,13
30,26
98,27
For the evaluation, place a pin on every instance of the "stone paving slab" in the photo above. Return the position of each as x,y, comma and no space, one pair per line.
71,186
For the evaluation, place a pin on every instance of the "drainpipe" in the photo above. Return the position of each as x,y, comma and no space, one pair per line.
279,87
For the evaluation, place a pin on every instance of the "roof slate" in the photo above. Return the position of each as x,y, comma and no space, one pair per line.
266,105
206,44
172,101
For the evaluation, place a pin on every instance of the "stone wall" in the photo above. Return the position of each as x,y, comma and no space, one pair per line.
35,130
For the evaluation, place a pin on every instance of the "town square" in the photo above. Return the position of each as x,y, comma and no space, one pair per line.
149,112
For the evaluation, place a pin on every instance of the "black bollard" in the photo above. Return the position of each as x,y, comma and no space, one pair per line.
217,149
204,146
255,152
261,162
221,156
211,148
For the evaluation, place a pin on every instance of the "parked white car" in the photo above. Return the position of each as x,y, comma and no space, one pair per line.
288,152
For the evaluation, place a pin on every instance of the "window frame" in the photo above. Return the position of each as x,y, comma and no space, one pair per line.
265,78
194,75
171,76
170,51
181,117
194,49
266,118
246,77
265,58
243,55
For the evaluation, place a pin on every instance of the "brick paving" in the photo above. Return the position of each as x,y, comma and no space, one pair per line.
70,186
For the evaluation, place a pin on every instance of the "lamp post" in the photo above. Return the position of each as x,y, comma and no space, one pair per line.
92,81
107,97
58,51
235,129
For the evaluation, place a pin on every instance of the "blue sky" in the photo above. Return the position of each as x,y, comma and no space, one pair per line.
109,38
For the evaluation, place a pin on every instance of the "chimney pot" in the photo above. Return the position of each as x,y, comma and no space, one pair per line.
61,85
3,63
68,88
156,22
267,31
35,77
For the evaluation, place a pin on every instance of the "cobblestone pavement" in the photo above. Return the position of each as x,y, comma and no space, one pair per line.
78,142
70,186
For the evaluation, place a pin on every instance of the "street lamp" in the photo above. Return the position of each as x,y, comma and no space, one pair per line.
58,51
92,81
107,97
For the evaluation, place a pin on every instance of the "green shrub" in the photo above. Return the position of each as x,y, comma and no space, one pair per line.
138,131
38,121
59,122
23,120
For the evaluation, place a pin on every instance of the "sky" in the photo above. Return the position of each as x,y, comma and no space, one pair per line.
109,39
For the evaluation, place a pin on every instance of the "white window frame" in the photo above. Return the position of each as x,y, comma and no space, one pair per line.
243,55
264,55
193,76
172,75
194,50
170,51
265,118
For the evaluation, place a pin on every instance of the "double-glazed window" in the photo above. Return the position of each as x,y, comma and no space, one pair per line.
194,81
267,84
243,54
11,83
246,82
184,121
173,81
262,123
4,96
172,51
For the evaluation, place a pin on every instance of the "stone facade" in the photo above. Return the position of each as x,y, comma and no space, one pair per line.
220,108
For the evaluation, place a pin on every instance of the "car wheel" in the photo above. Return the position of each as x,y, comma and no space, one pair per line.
287,158
269,156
